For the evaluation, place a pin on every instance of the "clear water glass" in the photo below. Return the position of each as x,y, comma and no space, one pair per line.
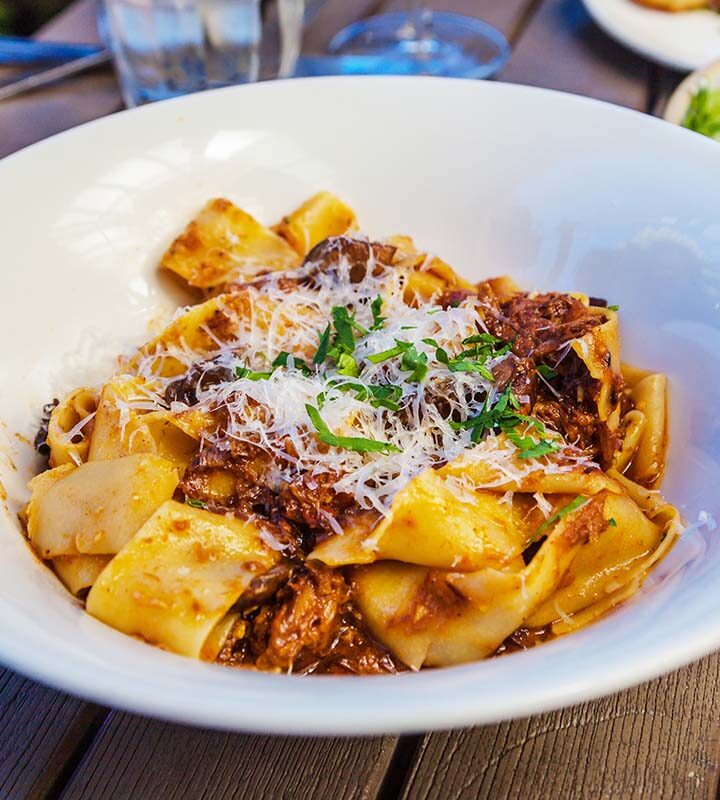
166,48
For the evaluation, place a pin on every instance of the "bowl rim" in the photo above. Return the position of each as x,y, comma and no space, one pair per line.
76,676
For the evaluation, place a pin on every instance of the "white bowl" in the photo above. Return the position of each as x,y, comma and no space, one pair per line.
685,40
561,192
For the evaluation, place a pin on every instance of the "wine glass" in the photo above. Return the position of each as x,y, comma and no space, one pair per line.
422,42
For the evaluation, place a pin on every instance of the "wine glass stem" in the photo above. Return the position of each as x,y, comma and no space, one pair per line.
418,16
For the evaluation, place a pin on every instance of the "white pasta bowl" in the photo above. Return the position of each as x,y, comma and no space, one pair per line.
560,192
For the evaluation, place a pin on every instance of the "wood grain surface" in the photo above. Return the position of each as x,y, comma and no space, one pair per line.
561,48
135,757
658,741
42,734
36,115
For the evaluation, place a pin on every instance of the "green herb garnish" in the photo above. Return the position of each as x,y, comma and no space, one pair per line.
504,416
324,344
191,501
486,346
528,447
385,396
357,443
244,372
546,371
347,365
613,308
343,322
412,361
400,347
376,308
282,360
573,505
703,114
612,522
343,344
415,363
458,363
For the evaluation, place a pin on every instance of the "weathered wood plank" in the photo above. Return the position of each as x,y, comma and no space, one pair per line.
660,740
663,84
134,757
41,732
561,48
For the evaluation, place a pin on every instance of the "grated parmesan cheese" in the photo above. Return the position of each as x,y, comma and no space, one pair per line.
271,413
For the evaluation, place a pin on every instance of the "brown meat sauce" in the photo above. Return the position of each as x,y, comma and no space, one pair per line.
312,627
541,327
300,616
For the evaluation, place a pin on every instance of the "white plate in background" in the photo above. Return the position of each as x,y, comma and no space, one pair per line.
559,191
685,41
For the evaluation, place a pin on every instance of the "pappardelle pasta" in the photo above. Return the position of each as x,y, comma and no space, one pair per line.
345,458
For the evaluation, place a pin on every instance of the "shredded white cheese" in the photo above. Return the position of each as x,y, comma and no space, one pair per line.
270,413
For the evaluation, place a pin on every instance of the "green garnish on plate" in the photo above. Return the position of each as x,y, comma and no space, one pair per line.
357,443
703,113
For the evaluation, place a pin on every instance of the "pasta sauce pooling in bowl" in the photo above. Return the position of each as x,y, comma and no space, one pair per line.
346,458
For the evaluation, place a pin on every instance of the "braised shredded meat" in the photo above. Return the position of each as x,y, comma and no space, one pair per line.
537,324
524,639
311,627
541,327
358,253
199,377
299,616
241,479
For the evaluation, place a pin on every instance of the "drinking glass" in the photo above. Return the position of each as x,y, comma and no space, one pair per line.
423,42
166,48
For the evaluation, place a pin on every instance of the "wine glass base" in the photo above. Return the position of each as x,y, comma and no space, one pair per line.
450,45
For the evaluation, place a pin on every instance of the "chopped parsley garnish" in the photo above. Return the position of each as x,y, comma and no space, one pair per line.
376,308
546,371
343,342
344,325
458,363
385,396
415,363
528,447
324,344
612,522
400,347
613,308
347,365
486,346
412,361
573,505
244,372
191,501
482,338
703,113
357,443
282,360
504,416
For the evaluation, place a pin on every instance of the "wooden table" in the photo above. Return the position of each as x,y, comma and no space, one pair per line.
660,740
